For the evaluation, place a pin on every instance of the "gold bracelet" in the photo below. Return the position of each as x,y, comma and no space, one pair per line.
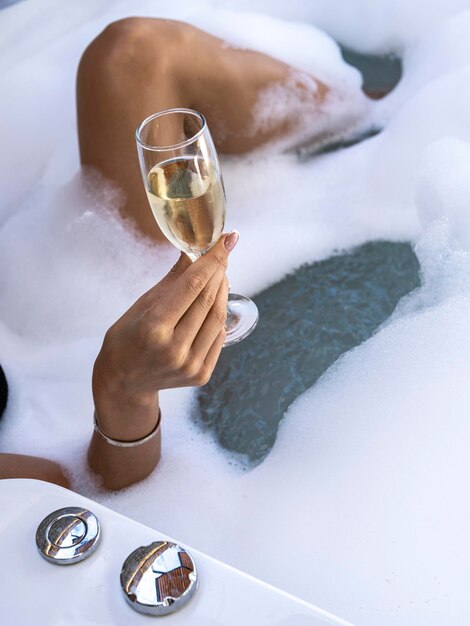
127,444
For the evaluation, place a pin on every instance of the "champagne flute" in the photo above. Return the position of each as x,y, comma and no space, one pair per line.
184,186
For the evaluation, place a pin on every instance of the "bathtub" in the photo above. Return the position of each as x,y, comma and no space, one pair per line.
34,591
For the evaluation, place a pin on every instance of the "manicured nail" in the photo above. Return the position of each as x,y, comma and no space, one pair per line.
231,240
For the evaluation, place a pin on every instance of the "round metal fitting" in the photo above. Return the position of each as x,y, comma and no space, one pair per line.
159,579
68,535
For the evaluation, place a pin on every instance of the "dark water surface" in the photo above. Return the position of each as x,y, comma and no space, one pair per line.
380,73
307,320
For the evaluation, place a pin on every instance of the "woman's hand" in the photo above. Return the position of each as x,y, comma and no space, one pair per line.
171,337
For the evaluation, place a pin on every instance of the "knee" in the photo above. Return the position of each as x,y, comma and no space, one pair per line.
129,45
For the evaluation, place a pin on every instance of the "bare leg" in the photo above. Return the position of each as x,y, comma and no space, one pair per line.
138,66
22,466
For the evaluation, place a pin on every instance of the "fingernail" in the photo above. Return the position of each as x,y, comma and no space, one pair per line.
231,240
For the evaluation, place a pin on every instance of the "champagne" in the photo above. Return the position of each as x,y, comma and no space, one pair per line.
188,201
187,196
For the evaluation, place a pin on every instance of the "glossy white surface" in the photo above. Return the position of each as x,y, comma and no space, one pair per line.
33,591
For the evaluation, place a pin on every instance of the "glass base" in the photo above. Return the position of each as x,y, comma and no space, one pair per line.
242,317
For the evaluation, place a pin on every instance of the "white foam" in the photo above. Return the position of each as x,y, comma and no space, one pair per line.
370,469
363,25
297,43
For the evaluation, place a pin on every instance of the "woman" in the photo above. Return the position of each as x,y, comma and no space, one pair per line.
135,67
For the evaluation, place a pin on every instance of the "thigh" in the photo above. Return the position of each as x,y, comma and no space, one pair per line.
23,466
248,98
139,65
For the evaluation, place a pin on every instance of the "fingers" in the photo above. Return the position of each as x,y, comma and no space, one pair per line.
213,354
198,372
189,325
149,297
213,323
179,267
194,279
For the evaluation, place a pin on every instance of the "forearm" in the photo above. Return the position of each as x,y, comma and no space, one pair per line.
122,467
170,337
125,417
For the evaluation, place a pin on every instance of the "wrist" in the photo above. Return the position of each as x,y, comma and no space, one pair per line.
123,413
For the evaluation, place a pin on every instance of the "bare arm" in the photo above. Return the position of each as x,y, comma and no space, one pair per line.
171,337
